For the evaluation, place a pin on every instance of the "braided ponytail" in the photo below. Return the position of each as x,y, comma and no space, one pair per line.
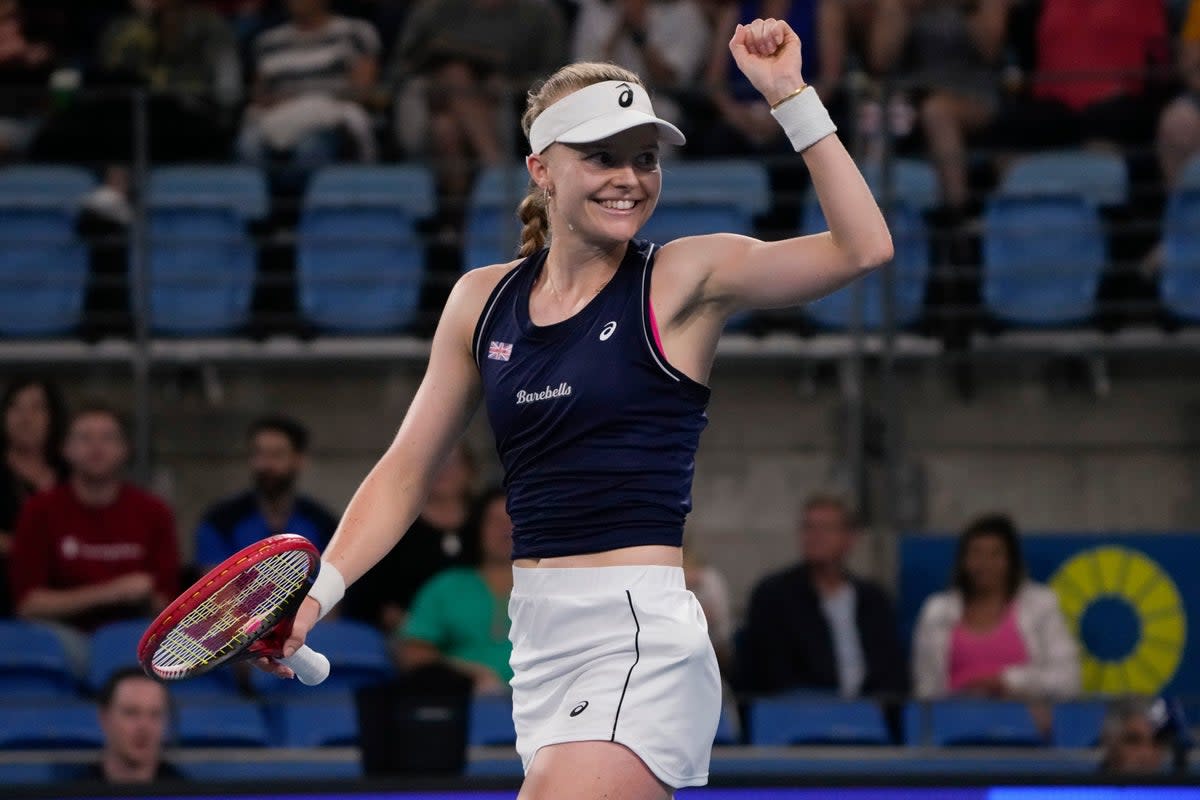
535,221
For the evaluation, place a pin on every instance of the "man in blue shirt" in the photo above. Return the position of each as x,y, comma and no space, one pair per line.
278,453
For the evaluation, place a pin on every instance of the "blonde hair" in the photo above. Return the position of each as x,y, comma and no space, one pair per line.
533,211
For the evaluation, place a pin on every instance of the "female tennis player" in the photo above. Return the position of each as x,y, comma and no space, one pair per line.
592,357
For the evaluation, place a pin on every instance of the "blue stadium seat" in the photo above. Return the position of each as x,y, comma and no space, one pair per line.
359,260
491,721
1100,178
1044,244
909,269
781,721
49,726
492,228
328,720
727,729
1078,724
1181,247
33,662
114,647
30,772
912,191
257,771
221,723
202,262
907,181
43,263
964,722
358,656
708,197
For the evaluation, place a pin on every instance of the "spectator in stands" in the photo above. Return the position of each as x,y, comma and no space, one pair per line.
743,121
176,46
95,548
993,633
1144,737
1090,79
816,625
383,596
186,56
711,590
31,440
135,712
460,69
664,41
1179,125
25,69
949,54
312,77
278,455
460,617
248,18
738,122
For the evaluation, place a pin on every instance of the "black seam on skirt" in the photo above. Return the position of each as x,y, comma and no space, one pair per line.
637,654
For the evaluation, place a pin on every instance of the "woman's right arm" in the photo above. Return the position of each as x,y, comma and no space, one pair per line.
390,497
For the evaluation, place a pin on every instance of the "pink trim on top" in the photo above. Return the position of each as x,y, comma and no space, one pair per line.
654,327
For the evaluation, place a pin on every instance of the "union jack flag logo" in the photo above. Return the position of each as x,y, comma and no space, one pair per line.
499,351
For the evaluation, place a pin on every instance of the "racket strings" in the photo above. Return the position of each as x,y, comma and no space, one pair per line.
233,614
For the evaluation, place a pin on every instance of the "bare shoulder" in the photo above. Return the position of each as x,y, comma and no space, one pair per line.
470,293
477,284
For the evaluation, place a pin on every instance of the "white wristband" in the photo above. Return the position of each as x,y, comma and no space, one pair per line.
804,119
328,588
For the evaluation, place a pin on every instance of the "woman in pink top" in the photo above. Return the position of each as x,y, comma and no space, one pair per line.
993,633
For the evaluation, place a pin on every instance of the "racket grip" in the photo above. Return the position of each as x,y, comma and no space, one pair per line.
310,666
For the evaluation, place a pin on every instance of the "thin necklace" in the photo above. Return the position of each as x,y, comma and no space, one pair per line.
558,294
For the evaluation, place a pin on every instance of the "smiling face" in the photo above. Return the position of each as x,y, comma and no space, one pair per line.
603,192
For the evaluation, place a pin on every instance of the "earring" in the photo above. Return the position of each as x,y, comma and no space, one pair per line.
548,196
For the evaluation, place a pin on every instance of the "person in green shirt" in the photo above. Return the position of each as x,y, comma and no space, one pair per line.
460,617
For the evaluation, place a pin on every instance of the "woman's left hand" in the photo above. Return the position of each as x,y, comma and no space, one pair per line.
767,51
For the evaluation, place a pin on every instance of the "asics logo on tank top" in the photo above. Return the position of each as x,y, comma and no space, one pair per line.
608,331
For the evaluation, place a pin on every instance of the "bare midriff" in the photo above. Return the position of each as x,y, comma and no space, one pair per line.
653,555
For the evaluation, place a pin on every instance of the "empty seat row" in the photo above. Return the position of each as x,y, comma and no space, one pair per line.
34,664
947,723
331,719
360,259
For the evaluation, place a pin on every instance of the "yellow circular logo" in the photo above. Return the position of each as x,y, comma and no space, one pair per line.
1127,613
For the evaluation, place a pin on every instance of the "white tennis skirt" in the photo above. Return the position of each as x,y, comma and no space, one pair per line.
615,654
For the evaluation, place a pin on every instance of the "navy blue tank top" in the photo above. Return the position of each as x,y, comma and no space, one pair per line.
596,431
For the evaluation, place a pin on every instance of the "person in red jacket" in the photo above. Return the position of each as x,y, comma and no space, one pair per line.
95,548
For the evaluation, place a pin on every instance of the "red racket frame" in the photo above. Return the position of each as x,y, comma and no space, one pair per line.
268,640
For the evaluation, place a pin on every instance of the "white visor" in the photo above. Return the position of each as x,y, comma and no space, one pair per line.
596,112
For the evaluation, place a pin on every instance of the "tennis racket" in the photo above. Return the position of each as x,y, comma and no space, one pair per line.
242,609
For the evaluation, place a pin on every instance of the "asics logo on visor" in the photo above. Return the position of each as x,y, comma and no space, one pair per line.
587,115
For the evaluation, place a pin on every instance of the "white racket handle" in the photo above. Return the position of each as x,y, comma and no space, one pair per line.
310,666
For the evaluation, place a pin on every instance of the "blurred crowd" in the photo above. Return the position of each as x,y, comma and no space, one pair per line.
291,85
83,546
